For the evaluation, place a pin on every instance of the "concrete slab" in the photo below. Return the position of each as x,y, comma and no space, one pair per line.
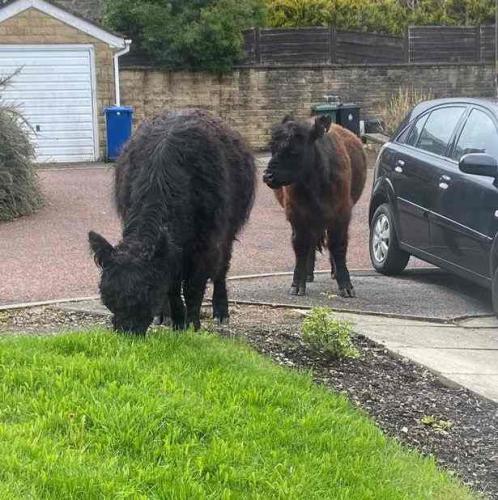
454,361
419,293
434,337
427,335
86,306
486,385
481,322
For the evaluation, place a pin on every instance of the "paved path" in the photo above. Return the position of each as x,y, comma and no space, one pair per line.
428,294
464,352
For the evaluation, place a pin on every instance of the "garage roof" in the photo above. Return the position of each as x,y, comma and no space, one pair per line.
14,7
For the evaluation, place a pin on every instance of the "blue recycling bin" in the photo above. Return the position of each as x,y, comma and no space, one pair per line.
118,126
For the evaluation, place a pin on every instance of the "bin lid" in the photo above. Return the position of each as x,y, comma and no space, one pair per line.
114,109
326,106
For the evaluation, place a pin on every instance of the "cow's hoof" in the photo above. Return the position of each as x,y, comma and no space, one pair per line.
310,278
157,321
178,325
297,290
222,320
347,292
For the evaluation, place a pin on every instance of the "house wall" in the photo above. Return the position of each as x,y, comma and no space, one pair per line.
252,99
34,27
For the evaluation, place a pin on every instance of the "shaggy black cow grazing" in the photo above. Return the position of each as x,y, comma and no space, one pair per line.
318,172
184,187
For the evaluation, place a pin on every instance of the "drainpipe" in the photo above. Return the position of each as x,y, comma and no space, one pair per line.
116,70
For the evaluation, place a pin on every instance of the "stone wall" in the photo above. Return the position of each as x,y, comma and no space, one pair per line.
252,99
34,27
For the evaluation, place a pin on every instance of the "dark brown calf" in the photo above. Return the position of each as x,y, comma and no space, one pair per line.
318,172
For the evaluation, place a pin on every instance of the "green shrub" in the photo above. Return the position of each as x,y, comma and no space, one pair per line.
186,34
382,16
322,331
19,191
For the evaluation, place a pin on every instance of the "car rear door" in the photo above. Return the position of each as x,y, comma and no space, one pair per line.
415,157
465,219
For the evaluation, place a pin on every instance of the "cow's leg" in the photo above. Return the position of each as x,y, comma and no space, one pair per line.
310,266
220,296
194,288
302,244
163,314
176,306
331,257
338,246
220,301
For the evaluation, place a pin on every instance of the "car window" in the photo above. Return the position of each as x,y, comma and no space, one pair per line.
438,129
478,136
413,133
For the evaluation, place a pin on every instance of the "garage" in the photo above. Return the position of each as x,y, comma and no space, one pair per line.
65,75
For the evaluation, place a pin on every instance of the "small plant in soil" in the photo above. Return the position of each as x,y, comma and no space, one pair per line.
439,425
325,332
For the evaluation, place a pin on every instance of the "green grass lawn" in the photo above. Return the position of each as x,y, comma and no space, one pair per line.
187,416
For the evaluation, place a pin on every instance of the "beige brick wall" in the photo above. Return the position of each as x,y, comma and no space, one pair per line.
253,99
35,27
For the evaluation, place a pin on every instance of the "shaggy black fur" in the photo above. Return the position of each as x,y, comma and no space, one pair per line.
184,187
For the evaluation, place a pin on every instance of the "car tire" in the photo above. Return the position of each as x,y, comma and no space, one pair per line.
385,254
494,290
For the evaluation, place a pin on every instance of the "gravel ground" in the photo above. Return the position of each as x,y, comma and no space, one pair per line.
461,429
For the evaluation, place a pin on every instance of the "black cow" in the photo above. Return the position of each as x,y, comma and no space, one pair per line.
184,187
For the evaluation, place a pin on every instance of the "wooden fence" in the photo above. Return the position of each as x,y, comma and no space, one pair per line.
327,45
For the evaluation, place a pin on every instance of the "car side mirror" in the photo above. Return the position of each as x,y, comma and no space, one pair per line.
479,164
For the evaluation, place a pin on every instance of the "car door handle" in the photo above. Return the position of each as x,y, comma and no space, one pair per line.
399,166
443,182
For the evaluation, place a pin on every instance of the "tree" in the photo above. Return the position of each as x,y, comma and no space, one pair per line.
187,34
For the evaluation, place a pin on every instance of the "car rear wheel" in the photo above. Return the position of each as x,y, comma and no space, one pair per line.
385,254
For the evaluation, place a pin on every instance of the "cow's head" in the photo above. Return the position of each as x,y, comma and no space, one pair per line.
292,150
129,285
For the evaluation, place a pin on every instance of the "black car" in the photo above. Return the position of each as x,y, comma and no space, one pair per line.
435,192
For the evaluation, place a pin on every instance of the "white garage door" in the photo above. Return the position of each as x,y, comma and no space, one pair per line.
55,92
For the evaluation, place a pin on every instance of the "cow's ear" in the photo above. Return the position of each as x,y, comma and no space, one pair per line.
326,121
321,125
287,118
101,248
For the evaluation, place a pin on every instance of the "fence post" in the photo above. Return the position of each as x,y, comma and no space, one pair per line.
406,45
478,43
332,45
257,45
